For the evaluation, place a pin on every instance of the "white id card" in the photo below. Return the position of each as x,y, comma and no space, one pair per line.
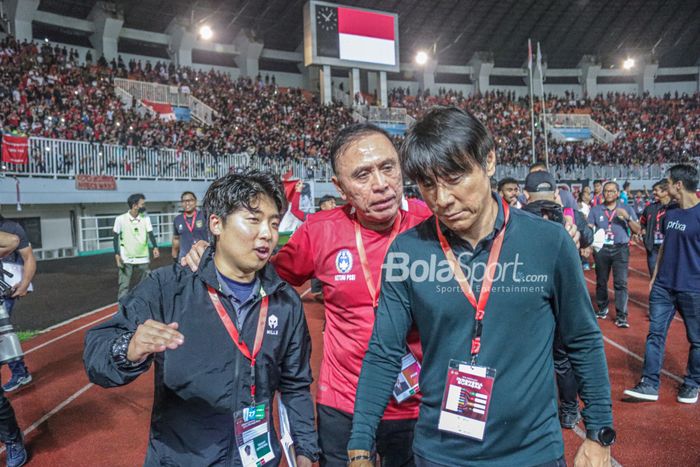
407,381
465,404
252,430
658,238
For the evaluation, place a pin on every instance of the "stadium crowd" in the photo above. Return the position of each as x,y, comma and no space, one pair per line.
48,91
651,130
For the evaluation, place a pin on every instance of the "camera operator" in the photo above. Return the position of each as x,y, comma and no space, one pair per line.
22,264
10,434
540,190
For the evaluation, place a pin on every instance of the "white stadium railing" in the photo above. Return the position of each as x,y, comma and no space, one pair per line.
96,232
62,159
165,94
56,158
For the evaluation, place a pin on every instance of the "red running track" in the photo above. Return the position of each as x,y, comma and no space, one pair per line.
69,421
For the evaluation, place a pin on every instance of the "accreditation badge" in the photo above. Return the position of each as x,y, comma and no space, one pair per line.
658,237
252,430
407,381
465,404
609,237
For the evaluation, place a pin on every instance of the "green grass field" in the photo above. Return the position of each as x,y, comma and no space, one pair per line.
24,335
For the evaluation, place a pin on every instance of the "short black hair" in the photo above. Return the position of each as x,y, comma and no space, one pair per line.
134,199
598,181
234,191
446,141
538,165
617,186
625,185
184,193
326,198
349,135
507,181
661,184
685,173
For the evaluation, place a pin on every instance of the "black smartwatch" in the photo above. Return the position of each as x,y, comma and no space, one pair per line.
604,436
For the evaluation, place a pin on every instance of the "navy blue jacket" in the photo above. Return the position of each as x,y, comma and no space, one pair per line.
201,384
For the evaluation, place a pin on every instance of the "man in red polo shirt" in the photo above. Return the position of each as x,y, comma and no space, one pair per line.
345,248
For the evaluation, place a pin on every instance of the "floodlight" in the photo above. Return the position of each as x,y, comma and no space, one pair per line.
205,32
421,58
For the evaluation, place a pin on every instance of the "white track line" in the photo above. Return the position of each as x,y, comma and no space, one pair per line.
637,302
68,321
305,292
641,359
581,434
55,339
54,411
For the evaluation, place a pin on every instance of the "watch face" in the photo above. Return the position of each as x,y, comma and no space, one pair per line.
606,436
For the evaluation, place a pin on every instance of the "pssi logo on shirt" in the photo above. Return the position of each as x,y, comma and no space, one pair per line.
343,264
676,225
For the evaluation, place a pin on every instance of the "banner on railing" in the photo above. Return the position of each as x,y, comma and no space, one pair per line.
15,149
95,182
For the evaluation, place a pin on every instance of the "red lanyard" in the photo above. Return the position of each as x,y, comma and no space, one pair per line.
611,218
374,290
479,306
659,215
235,337
194,219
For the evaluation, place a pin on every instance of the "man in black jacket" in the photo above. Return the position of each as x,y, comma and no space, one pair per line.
652,219
223,340
540,189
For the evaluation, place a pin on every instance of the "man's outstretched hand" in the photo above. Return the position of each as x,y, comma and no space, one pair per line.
194,257
151,337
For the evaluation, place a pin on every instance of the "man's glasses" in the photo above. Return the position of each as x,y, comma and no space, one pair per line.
188,200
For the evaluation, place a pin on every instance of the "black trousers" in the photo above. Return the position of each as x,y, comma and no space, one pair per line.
617,259
566,380
9,430
651,258
394,440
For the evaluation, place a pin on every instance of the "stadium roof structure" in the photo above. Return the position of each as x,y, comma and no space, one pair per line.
668,31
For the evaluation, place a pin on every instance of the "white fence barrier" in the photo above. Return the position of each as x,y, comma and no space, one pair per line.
166,94
96,232
66,159
63,159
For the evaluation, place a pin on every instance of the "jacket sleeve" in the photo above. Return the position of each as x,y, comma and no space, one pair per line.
141,304
295,384
585,229
581,336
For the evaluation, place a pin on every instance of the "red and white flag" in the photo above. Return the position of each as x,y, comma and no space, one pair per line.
357,35
164,111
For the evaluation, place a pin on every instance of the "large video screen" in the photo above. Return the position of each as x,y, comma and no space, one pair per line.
350,37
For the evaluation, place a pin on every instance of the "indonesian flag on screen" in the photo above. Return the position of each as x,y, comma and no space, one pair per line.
356,35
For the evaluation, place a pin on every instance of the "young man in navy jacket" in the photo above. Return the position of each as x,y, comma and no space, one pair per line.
223,339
